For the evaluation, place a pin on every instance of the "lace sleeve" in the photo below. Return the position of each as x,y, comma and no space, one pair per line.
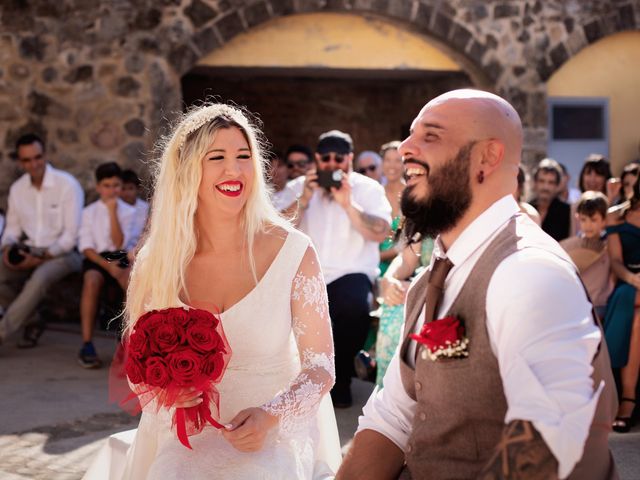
312,330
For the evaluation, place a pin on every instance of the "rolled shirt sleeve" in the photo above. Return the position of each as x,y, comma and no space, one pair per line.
85,236
545,361
390,411
72,200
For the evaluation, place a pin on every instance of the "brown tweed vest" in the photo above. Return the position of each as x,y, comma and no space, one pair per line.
460,402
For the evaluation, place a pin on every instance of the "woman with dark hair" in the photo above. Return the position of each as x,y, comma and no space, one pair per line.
622,320
594,174
628,180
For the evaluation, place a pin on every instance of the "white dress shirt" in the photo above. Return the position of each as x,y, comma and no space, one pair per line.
49,216
95,229
341,248
541,331
139,221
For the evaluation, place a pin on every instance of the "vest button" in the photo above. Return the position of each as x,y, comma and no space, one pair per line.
418,386
422,416
409,448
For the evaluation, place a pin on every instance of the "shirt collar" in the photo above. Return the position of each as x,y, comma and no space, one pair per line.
48,180
478,232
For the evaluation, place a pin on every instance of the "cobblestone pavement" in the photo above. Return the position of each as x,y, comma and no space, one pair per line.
55,415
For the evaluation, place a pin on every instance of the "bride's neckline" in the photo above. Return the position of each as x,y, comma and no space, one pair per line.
271,267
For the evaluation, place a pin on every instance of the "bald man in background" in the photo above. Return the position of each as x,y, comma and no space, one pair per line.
529,393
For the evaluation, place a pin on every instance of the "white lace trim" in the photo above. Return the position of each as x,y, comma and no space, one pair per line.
313,292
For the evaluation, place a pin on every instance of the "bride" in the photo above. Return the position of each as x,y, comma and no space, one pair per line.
215,242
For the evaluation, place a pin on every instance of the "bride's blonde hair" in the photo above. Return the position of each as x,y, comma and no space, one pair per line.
158,275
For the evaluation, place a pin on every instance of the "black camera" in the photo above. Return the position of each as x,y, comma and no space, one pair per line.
120,256
17,253
330,178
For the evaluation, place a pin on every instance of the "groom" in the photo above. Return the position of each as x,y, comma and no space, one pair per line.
530,394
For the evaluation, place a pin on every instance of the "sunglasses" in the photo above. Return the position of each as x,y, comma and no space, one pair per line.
337,157
298,164
364,170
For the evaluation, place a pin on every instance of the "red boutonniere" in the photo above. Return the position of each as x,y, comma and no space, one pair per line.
443,338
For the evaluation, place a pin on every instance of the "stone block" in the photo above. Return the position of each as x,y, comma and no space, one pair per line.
558,55
423,15
206,40
442,25
282,7
593,31
82,73
504,10
256,14
627,17
49,74
229,26
199,13
182,58
460,36
147,19
135,127
127,87
397,9
476,51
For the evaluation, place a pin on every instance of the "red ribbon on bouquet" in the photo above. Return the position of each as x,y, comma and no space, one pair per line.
172,350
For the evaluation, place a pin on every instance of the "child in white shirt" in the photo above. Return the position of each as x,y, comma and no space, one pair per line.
105,233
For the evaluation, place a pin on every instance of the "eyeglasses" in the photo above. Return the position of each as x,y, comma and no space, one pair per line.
364,170
298,164
337,157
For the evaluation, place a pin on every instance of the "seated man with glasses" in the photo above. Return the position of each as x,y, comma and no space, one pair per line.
346,215
298,159
370,164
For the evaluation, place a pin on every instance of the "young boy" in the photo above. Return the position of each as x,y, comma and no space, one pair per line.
589,250
105,230
131,194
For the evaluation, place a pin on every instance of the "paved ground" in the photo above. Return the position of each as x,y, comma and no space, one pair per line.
54,415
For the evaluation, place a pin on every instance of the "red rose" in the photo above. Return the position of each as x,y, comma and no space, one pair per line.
134,370
213,365
138,344
203,317
166,337
202,338
440,333
156,373
184,366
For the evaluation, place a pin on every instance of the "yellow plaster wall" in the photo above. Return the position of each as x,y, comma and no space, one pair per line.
608,68
330,40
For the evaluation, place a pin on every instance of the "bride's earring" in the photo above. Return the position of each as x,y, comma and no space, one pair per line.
480,176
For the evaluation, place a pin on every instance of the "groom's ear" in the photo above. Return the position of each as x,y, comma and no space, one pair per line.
491,154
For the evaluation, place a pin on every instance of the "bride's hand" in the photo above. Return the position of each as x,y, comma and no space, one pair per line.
248,429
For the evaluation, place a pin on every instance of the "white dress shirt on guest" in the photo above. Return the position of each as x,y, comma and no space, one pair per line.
95,229
140,220
49,216
541,331
341,248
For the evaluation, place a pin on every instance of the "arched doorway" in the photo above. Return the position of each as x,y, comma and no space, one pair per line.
308,73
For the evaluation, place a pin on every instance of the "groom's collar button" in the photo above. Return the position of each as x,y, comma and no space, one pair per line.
418,386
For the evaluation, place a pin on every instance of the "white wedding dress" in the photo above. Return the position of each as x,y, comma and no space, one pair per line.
282,361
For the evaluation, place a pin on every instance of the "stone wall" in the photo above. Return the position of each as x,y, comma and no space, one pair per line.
99,79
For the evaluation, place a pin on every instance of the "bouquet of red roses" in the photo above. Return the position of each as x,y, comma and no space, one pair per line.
175,349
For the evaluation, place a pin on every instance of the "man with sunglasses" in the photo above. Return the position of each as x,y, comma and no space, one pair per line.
38,243
370,164
299,158
346,219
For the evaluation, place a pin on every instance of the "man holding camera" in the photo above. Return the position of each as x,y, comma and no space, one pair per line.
38,244
346,215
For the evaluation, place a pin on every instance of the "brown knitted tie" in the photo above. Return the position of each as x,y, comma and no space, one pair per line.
435,287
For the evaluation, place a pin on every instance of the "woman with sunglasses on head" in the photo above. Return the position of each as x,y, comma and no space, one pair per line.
622,320
215,242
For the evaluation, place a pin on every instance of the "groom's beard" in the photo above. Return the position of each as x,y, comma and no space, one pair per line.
446,202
